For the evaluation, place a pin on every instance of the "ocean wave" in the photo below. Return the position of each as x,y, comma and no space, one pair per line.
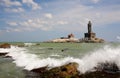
29,44
55,55
87,63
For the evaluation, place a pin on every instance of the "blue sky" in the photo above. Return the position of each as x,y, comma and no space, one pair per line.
41,20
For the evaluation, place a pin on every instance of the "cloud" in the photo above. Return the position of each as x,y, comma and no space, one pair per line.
62,22
17,6
31,3
16,10
12,6
68,17
49,15
95,1
34,24
118,37
9,3
12,23
29,25
100,16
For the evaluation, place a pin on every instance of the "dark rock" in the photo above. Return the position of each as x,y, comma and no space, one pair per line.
21,45
103,70
65,71
108,67
64,49
3,54
39,70
50,48
70,71
7,56
5,45
37,44
100,74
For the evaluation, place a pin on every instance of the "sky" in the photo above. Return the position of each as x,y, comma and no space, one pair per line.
43,20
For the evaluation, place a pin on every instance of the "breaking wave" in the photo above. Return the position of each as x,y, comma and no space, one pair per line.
29,61
29,44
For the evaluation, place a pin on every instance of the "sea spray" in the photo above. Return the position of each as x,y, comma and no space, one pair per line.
103,55
2,50
29,61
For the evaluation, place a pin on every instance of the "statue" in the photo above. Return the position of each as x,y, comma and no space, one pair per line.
89,27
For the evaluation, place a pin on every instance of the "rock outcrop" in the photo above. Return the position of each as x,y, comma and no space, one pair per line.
3,54
65,71
103,70
100,74
69,38
5,45
21,45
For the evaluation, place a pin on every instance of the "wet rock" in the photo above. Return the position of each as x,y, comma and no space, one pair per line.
3,54
7,56
38,44
70,71
108,67
100,74
65,71
50,48
40,70
103,70
21,45
5,45
64,49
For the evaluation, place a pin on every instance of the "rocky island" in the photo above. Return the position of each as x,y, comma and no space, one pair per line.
89,37
70,38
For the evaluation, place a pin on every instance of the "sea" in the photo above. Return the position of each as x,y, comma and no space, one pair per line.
28,56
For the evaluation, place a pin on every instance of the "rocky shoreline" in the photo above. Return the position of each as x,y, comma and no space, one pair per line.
103,70
5,46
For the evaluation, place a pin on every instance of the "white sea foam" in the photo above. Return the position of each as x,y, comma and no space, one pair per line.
2,50
106,54
29,61
29,44
56,55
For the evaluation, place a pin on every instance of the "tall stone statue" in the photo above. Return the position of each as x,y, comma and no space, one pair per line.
89,27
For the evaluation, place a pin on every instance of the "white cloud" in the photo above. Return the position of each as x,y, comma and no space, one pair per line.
12,23
29,25
95,1
73,19
37,23
62,22
48,15
34,24
16,10
31,3
9,3
80,15
12,6
118,37
15,29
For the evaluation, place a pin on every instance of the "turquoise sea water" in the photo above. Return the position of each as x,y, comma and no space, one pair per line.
34,55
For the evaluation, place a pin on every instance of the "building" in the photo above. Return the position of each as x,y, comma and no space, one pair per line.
69,38
90,36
